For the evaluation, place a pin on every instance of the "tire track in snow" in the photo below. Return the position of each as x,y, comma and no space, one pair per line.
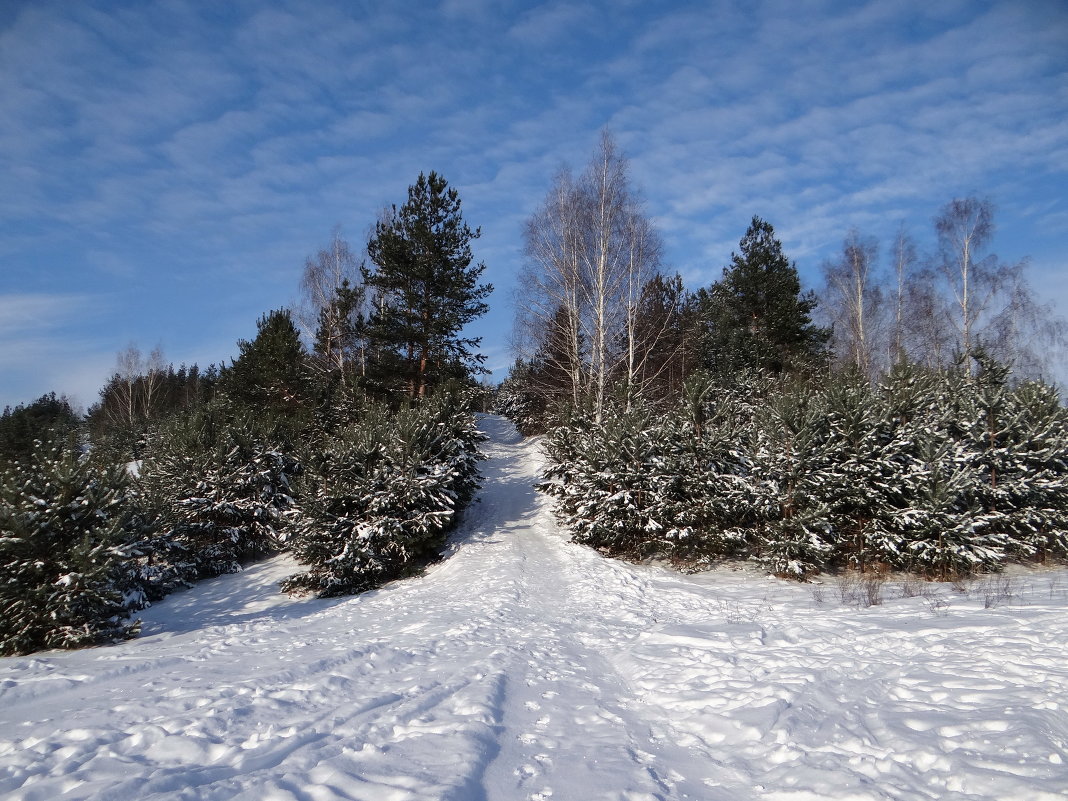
573,727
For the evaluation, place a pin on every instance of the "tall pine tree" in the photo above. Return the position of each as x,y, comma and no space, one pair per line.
426,289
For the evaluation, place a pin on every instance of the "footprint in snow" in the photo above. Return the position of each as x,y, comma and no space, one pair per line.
527,772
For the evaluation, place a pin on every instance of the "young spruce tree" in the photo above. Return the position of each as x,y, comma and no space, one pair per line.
222,490
382,494
270,375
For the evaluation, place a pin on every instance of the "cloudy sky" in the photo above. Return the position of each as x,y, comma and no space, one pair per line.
168,166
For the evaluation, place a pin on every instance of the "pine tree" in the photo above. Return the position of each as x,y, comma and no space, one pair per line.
1018,443
607,480
756,315
224,494
934,522
982,420
942,531
426,289
341,406
1038,484
62,538
382,494
520,400
941,472
644,482
792,466
711,504
856,472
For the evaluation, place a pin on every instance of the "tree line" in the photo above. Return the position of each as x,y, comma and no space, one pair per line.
356,454
874,424
598,314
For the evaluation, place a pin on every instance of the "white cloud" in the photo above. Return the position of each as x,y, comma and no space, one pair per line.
39,351
36,312
217,145
551,22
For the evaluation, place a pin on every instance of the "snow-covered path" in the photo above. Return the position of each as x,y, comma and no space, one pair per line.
524,667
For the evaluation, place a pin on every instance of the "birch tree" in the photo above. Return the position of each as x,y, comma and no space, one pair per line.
663,339
331,311
991,304
548,322
643,336
590,252
903,257
964,227
603,259
133,391
853,299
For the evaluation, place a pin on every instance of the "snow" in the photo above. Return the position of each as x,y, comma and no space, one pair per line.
526,667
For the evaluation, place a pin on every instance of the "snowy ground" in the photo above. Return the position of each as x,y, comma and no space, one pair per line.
524,667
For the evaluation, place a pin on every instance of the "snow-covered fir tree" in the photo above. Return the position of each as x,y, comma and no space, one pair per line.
518,399
1018,438
224,494
382,493
943,473
793,467
1038,481
607,477
933,522
857,473
716,508
646,481
62,542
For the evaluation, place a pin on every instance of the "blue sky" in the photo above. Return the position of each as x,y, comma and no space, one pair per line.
168,166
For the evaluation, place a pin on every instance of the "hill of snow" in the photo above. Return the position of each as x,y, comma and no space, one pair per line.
525,667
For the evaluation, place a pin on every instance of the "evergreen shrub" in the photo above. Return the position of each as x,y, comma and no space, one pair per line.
217,493
63,530
942,473
382,493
